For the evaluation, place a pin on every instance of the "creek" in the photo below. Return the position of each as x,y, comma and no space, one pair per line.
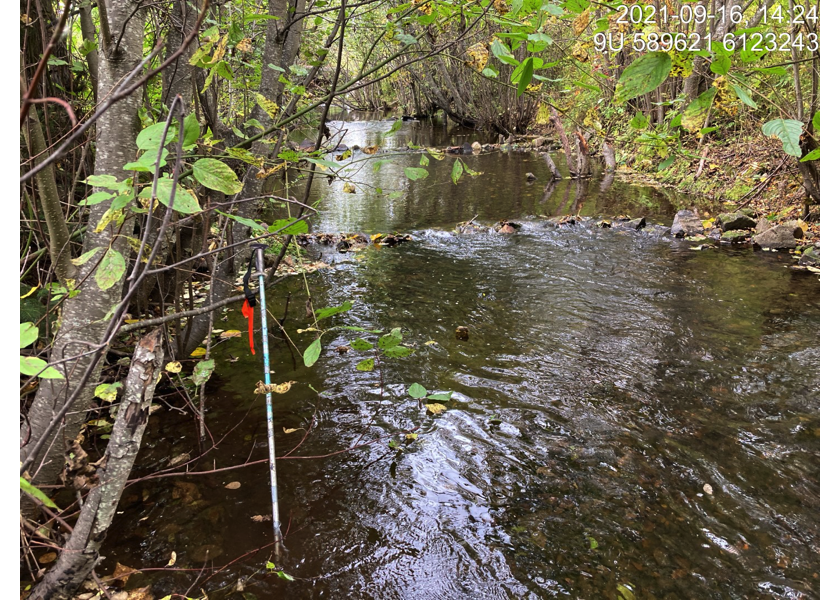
628,413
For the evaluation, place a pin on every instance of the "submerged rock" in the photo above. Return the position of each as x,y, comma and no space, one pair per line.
733,221
462,333
810,258
636,224
735,236
686,223
530,176
780,237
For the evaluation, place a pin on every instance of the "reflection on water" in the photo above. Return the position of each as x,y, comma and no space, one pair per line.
627,412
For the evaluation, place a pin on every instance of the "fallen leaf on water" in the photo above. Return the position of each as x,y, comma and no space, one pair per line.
144,593
276,388
47,558
261,518
285,430
121,574
370,149
435,409
430,343
181,458
172,558
233,485
174,367
708,489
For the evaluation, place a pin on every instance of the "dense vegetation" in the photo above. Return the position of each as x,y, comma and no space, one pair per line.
149,132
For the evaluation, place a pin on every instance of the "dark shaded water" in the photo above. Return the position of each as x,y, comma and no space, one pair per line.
609,376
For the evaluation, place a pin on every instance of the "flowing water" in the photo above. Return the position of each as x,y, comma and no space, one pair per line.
629,414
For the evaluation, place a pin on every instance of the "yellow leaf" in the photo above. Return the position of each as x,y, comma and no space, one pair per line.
430,343
129,321
410,437
435,409
708,224
172,558
230,333
201,351
233,485
174,367
286,430
267,105
220,49
29,293
244,45
349,188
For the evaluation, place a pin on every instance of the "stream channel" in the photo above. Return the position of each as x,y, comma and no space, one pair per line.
612,379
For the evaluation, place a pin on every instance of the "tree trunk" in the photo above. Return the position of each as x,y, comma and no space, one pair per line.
83,319
48,194
81,552
279,50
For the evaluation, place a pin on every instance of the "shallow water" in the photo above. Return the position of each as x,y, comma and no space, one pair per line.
608,378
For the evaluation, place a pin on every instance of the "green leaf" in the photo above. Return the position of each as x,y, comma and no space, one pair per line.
361,345
415,173
391,339
787,130
721,64
28,334
285,576
816,120
107,391
645,75
640,121
365,365
666,163
593,543
203,370
778,71
286,227
501,52
694,116
323,313
146,162
322,163
490,71
442,397
457,171
96,198
243,220
743,95
397,352
184,201
406,39
110,270
216,175
106,181
29,365
525,76
576,6
310,356
812,155
149,138
36,493
424,161
192,130
378,165
395,127
417,391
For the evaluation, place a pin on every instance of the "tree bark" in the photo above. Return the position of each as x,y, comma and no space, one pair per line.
48,195
83,319
81,552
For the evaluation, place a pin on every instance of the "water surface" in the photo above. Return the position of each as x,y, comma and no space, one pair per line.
609,377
